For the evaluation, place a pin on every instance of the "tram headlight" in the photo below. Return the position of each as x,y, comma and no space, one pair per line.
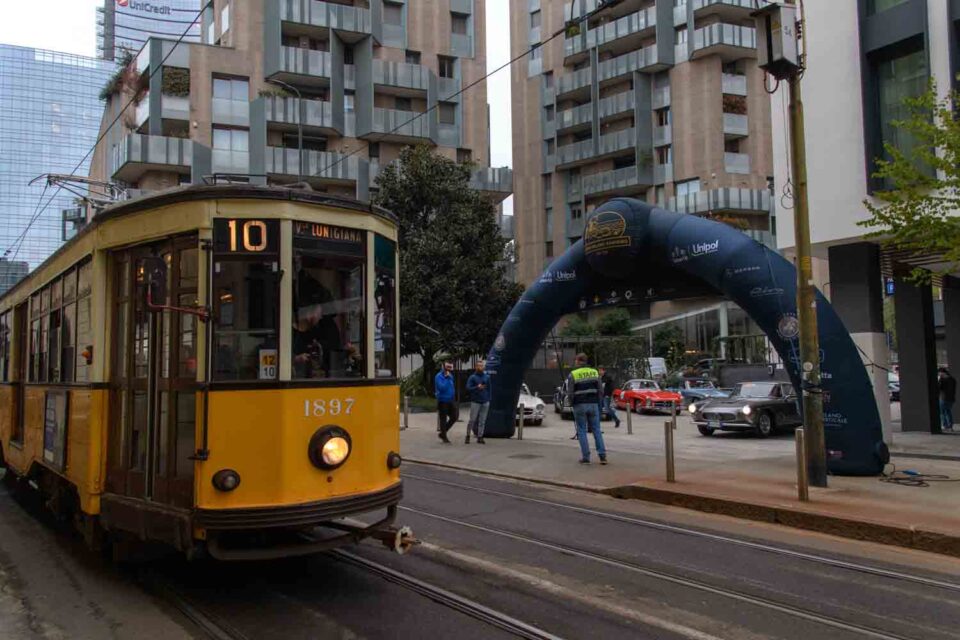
329,447
226,480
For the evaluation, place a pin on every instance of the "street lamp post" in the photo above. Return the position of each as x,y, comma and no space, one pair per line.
300,115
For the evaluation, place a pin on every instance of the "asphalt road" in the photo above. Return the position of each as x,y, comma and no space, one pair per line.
571,564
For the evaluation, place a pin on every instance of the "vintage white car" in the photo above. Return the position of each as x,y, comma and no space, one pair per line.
533,407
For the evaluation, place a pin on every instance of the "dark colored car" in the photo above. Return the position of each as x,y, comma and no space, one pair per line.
761,407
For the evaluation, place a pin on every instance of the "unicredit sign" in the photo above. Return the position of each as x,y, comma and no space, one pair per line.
145,7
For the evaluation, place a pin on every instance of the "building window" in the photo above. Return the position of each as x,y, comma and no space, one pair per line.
373,150
235,89
225,19
536,53
310,143
548,79
347,55
575,212
447,66
231,139
458,23
548,248
393,13
348,99
688,187
877,6
731,146
413,57
551,147
535,19
448,113
660,195
548,221
402,104
464,156
663,117
664,155
547,189
898,79
549,112
681,35
734,104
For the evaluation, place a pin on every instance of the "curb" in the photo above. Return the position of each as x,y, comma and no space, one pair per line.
911,538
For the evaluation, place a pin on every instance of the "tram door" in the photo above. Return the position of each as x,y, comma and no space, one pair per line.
154,378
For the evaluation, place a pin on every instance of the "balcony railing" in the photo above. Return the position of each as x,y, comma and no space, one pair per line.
662,136
316,113
230,161
728,35
493,180
725,199
575,116
404,75
318,164
327,14
734,84
138,153
736,162
305,62
574,152
735,125
620,103
575,80
615,180
628,63
660,97
633,23
746,5
386,120
617,141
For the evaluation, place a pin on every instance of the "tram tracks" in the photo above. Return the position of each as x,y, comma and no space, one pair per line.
697,533
676,579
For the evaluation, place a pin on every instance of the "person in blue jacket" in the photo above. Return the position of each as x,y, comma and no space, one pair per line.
443,387
478,386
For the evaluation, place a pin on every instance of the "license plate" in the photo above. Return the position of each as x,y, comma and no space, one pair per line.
714,424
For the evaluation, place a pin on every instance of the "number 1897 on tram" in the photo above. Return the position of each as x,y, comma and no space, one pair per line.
213,368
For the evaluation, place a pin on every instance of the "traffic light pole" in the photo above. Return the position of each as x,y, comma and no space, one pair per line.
806,298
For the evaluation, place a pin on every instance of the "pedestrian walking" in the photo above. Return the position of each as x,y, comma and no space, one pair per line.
948,395
584,382
478,386
609,407
443,387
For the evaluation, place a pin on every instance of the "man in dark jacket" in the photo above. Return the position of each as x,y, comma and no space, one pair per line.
948,395
587,396
609,407
478,386
443,387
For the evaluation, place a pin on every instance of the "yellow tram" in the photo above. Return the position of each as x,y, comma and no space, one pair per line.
214,368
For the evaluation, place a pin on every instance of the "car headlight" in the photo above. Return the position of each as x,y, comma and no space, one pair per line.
540,407
692,408
746,410
329,447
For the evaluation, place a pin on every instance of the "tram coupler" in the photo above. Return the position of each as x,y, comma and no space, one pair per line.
400,540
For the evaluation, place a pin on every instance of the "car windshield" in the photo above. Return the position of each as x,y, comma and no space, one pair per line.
756,390
524,389
633,385
699,384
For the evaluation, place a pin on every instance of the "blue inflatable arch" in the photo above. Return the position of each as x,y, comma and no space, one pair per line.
628,243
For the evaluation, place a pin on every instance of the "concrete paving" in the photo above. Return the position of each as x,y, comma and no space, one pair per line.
731,473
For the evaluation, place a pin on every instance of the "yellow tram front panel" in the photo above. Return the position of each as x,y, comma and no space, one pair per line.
264,436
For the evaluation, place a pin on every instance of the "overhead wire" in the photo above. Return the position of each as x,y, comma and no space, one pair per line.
18,243
569,23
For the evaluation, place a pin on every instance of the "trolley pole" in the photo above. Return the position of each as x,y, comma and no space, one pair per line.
806,297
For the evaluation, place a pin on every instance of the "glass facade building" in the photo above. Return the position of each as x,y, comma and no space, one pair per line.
125,25
50,114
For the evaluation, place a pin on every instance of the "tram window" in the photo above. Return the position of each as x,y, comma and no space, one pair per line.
54,328
246,294
328,309
186,436
385,308
84,338
68,348
5,347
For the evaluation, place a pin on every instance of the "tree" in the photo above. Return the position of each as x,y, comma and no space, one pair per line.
668,344
615,323
917,213
451,258
577,327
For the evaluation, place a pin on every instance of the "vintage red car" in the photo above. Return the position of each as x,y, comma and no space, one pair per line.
644,396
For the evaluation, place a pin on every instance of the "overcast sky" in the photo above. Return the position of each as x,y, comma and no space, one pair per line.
70,26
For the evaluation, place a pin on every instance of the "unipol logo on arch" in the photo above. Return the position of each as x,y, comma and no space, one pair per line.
123,3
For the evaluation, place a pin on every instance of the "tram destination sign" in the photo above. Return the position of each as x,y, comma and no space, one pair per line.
329,239
246,236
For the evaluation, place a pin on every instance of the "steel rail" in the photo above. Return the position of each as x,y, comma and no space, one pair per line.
652,524
209,625
684,581
448,598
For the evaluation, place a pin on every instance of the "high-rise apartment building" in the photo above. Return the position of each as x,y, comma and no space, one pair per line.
863,58
50,113
356,80
123,26
655,99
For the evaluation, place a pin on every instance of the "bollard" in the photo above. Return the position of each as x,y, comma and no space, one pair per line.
673,414
521,411
668,442
629,420
803,488
406,412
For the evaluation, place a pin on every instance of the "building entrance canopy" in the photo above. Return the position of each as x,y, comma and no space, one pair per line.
630,246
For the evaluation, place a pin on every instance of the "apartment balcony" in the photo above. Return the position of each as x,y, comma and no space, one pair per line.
576,118
446,87
736,162
405,77
574,188
680,15
625,139
726,9
395,125
318,165
662,173
228,161
167,51
575,227
730,42
583,152
639,60
495,182
624,33
578,152
138,153
448,135
733,84
323,15
735,126
306,66
231,112
619,181
725,200
660,97
619,104
662,136
574,82
317,114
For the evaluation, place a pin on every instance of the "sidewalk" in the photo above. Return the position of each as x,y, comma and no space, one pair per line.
732,474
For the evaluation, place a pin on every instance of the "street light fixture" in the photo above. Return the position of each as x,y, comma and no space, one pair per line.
300,114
